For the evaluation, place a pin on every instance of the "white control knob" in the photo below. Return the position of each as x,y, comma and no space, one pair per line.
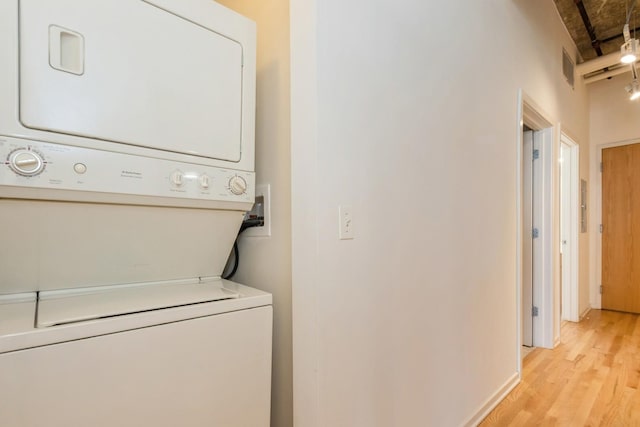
205,181
177,178
26,162
237,185
80,168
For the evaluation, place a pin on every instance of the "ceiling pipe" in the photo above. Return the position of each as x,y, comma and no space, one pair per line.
602,62
598,63
607,74
617,36
595,43
609,60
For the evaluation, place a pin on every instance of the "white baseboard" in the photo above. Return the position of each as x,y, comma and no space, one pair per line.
493,401
585,313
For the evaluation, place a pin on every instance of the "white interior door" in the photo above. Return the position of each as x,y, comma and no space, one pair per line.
569,180
527,239
565,249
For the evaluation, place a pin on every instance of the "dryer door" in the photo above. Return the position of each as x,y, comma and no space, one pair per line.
129,72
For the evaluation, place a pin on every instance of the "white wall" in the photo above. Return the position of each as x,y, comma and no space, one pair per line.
406,111
266,262
613,117
614,121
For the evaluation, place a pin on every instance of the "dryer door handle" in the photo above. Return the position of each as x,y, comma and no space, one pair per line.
66,50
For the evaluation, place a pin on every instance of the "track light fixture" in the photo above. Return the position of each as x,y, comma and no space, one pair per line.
633,89
629,51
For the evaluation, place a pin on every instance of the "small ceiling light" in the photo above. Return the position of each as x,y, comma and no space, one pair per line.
629,52
629,49
634,90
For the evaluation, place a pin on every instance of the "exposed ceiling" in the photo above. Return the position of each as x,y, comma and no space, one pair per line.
596,28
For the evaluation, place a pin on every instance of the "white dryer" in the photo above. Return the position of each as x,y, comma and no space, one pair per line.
126,166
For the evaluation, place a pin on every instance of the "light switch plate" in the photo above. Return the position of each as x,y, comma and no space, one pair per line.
345,222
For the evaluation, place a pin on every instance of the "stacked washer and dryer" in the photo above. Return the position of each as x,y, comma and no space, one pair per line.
126,167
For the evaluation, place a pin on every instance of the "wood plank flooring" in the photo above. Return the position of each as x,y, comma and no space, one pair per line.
591,379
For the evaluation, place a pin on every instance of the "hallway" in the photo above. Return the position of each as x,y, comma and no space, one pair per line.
590,379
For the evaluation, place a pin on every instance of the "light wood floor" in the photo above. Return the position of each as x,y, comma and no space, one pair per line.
591,379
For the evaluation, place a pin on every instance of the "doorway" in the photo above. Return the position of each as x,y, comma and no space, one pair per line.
620,225
527,236
536,233
538,230
569,224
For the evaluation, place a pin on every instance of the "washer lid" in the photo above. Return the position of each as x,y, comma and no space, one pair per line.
77,305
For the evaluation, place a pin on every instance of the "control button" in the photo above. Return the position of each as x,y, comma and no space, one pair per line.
237,185
26,162
177,178
80,168
205,181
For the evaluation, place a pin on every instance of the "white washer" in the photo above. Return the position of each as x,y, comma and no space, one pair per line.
197,364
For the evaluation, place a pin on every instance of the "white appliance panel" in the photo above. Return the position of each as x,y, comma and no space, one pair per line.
59,245
65,167
62,307
19,313
209,371
136,75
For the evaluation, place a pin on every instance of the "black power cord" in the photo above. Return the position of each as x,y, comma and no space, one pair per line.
247,223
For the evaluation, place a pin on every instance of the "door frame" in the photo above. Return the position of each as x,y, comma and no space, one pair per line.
546,290
570,291
596,220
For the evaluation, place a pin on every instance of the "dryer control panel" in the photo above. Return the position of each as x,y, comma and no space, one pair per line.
40,165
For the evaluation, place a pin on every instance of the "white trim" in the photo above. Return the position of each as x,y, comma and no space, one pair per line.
518,251
585,313
304,213
556,318
532,114
493,401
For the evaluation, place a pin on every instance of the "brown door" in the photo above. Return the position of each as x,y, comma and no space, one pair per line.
621,228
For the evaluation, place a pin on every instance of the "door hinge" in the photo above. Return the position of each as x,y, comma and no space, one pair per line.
601,166
600,289
534,311
601,228
536,154
535,233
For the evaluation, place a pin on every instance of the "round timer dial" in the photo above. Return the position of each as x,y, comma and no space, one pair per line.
237,185
26,162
